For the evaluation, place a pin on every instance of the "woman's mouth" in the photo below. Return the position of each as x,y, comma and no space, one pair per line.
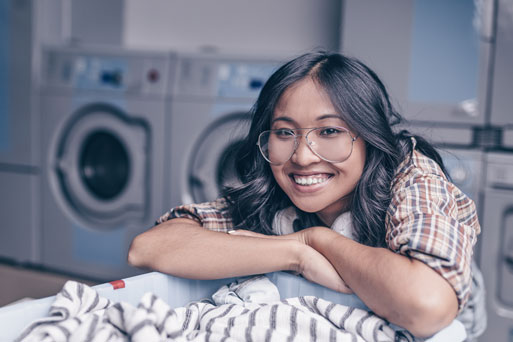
310,179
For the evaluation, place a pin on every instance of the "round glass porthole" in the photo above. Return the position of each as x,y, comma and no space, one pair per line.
211,163
104,164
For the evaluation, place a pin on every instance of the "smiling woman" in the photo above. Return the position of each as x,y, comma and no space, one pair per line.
334,193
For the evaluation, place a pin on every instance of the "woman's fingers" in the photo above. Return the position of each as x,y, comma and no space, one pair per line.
315,267
243,232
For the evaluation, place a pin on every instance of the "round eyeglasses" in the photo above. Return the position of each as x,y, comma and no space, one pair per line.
330,143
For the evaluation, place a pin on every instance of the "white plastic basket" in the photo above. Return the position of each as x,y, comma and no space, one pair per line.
178,292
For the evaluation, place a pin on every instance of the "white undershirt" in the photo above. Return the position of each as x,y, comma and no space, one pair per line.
283,223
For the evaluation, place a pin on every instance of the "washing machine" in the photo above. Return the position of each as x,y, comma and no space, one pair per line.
212,96
102,114
19,169
497,240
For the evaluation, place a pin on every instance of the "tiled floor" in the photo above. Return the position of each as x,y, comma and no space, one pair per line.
18,283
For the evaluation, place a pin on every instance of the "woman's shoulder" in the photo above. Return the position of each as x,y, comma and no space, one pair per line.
417,165
421,185
421,177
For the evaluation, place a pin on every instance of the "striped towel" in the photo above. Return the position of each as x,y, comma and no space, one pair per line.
77,309
79,314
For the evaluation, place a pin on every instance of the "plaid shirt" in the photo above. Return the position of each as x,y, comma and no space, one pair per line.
431,220
428,219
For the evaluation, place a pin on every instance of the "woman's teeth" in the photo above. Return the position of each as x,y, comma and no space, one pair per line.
310,180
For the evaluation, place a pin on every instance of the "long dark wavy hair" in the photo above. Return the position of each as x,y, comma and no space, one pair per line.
363,103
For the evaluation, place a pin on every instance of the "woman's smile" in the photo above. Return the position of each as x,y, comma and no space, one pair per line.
310,182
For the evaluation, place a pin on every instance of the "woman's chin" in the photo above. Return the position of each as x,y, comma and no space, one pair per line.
309,206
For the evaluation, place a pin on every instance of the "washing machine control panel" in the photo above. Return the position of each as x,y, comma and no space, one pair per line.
500,171
222,78
122,71
112,78
507,138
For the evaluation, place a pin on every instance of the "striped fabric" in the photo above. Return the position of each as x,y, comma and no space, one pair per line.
306,318
428,219
74,315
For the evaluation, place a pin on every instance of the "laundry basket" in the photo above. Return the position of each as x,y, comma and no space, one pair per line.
178,292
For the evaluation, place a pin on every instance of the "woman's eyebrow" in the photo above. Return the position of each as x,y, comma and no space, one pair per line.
329,116
319,118
283,118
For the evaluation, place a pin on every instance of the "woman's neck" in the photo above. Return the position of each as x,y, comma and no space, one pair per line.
330,214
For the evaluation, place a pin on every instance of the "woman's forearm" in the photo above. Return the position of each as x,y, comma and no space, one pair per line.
183,248
404,291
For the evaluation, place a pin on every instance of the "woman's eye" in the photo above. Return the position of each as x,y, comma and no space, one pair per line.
283,132
330,131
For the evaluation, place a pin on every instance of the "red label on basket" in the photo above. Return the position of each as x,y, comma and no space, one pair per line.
117,284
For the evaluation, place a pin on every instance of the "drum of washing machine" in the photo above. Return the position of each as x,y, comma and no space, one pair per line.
98,168
211,161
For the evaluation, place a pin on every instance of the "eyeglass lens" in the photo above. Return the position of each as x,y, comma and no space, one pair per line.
332,144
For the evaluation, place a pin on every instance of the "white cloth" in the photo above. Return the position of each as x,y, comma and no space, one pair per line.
283,223
87,317
257,289
73,316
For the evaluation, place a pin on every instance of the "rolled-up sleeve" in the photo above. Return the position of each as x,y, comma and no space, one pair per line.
211,215
431,220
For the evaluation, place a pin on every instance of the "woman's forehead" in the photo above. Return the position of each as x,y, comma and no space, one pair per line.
302,98
308,115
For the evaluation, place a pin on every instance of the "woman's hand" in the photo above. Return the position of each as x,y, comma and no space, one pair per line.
315,267
312,264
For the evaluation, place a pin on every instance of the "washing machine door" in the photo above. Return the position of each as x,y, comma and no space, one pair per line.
211,164
465,168
99,166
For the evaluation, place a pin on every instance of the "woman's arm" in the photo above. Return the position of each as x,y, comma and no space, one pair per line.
404,291
182,247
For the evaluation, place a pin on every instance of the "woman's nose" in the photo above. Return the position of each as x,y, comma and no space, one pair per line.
303,155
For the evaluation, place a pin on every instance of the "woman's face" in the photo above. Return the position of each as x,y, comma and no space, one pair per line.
306,105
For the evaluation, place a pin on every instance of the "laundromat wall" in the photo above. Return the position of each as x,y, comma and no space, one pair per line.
158,79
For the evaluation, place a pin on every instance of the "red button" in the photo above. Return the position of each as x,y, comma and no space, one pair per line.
118,284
